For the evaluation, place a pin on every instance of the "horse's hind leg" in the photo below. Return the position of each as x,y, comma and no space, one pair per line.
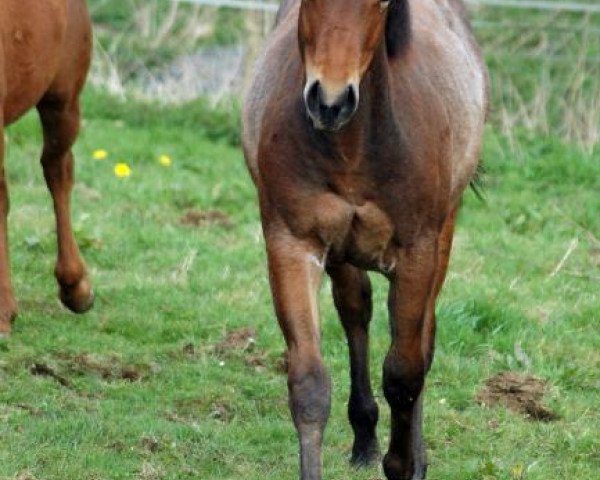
60,121
8,306
352,296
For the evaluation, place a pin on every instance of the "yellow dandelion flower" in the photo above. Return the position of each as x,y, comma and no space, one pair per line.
122,170
165,160
100,154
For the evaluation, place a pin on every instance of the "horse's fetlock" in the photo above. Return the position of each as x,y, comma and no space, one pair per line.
396,468
69,274
363,412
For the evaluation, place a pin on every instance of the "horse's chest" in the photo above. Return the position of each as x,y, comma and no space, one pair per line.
355,230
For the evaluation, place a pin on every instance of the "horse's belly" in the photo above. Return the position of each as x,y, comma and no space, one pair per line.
32,45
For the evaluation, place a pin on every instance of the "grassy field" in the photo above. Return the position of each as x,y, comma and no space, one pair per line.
160,380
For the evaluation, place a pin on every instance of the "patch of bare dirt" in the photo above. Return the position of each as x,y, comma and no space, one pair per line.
282,364
44,370
109,368
25,476
221,411
202,218
150,472
189,350
257,361
150,443
243,339
36,412
518,392
189,410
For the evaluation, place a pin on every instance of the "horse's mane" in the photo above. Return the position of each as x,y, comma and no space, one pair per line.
284,8
397,28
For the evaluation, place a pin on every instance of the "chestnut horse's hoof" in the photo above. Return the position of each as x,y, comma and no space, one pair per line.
78,298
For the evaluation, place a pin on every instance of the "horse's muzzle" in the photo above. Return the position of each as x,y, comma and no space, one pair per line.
326,114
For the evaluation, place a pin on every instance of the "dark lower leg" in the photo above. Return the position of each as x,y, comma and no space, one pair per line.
411,305
352,297
403,385
363,411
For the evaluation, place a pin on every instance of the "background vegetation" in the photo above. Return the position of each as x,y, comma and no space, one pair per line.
177,372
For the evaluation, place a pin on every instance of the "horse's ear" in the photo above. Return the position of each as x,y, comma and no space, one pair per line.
397,27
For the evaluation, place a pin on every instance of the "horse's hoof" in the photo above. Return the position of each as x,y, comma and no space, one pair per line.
396,469
366,457
78,298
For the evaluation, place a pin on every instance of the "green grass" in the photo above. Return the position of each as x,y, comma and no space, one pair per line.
168,293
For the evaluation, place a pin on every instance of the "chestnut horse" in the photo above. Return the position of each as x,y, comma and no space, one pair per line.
362,129
45,49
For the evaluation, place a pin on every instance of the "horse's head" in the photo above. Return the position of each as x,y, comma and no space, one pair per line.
338,39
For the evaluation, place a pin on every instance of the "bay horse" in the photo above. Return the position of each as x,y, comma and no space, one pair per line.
45,51
362,128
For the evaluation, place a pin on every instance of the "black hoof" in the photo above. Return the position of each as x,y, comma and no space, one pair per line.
396,469
365,456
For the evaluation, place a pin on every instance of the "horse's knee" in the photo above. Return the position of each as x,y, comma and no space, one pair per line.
403,379
309,388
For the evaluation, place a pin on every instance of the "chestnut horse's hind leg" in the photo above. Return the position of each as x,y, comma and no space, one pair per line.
295,272
8,306
352,296
60,121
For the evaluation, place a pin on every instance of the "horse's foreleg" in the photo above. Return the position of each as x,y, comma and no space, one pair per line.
413,292
60,121
295,271
352,297
8,306
411,315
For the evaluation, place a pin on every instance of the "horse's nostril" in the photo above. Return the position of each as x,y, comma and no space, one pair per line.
351,97
313,97
330,113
